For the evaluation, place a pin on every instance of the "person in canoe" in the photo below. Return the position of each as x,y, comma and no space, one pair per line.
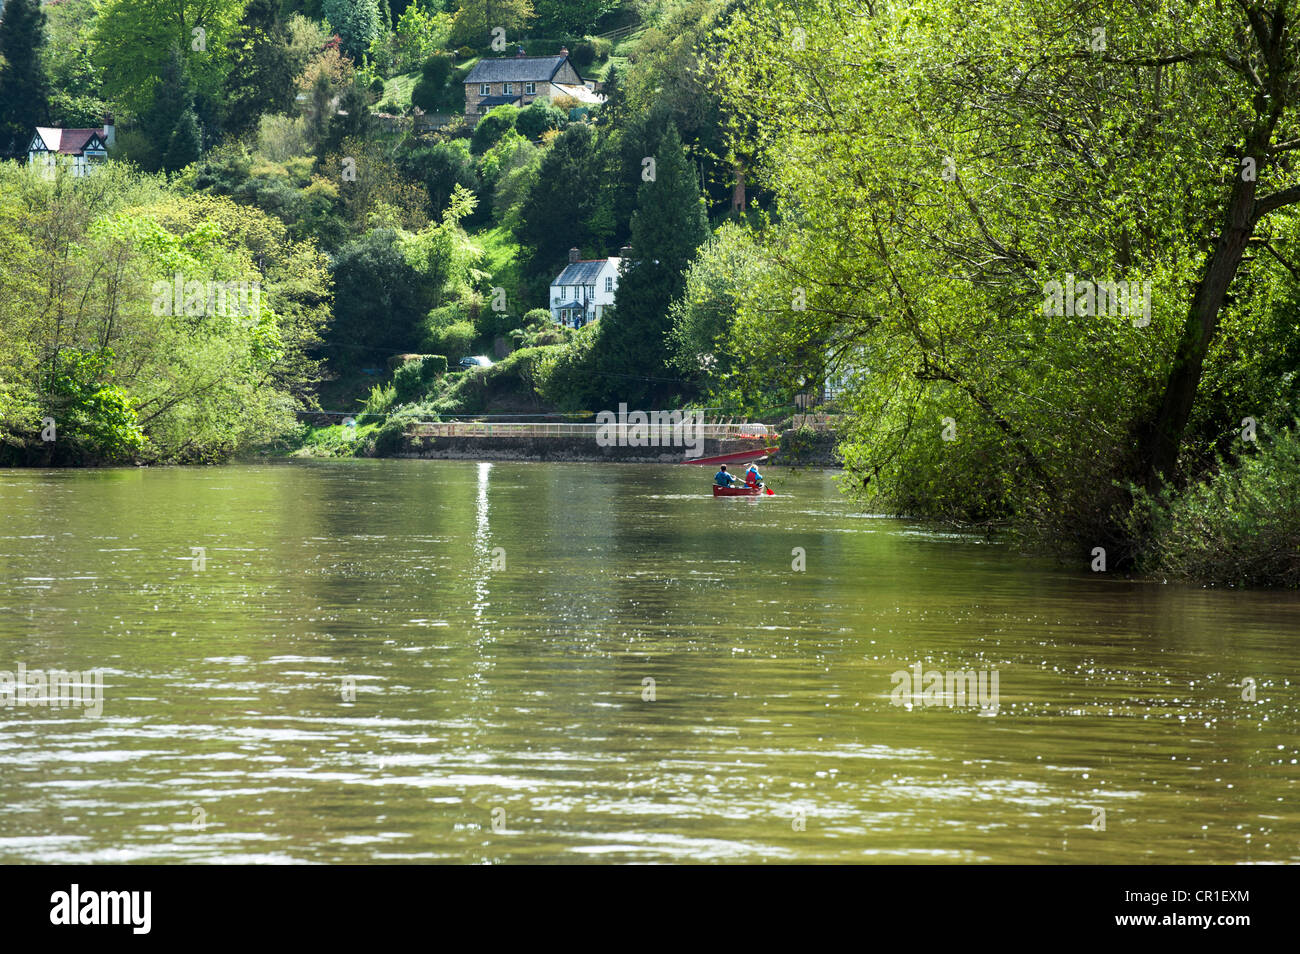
752,477
722,478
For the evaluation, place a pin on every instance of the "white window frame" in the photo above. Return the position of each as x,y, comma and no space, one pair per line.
530,89
609,283
507,89
485,89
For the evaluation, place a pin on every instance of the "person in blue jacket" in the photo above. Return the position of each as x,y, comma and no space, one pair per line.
722,478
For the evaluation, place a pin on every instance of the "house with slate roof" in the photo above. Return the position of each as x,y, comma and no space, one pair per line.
80,148
518,80
581,293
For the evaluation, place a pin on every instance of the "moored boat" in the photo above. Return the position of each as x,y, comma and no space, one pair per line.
739,457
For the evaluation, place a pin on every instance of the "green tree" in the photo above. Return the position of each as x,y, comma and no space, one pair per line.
667,228
539,117
499,121
357,23
379,300
23,89
571,17
430,91
918,250
261,74
441,167
183,147
474,20
161,123
134,39
557,214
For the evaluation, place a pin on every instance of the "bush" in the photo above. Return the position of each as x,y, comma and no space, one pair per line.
465,53
378,297
538,117
437,69
414,377
492,127
441,167
1240,527
454,340
382,397
583,55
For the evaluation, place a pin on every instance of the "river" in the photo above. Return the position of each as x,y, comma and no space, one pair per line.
408,661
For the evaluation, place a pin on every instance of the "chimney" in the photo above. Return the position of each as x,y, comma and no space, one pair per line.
573,256
625,251
110,136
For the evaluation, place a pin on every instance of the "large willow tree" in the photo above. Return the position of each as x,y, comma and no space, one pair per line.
938,165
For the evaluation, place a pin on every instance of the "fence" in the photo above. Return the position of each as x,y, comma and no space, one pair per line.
715,431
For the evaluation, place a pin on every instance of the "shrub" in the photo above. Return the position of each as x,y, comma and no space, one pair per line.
432,92
1239,527
377,404
464,53
538,117
454,340
492,127
583,55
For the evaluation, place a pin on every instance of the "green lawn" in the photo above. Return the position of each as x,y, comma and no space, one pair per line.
397,90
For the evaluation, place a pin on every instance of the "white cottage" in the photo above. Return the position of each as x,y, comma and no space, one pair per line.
581,293
82,148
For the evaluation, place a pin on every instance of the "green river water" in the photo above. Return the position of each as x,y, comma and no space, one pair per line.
499,623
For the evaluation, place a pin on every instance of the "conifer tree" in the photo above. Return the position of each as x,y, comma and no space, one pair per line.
24,95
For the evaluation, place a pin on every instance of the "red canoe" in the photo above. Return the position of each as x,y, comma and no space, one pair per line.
737,491
740,457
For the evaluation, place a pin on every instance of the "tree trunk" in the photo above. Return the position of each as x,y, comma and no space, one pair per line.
1160,445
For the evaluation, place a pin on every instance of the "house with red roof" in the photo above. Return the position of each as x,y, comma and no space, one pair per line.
80,148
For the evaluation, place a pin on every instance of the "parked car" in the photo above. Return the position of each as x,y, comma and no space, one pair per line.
477,361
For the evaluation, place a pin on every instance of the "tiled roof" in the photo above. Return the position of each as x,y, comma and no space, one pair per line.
515,69
582,273
490,101
68,142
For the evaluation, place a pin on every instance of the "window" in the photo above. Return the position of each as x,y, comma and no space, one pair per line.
530,89
485,89
508,88
609,284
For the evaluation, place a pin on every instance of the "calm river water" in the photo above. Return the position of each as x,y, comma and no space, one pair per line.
396,661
